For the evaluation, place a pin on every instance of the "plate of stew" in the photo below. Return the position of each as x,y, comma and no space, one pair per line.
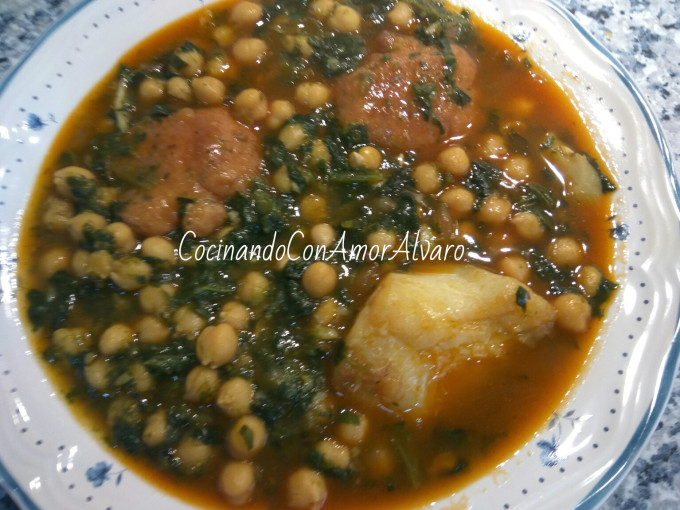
330,254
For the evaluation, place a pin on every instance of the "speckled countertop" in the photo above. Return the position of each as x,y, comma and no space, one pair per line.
645,36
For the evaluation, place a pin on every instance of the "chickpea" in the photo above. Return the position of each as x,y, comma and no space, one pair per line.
281,111
216,345
427,178
385,240
179,88
203,217
467,229
253,288
573,312
306,490
313,208
251,105
494,147
366,157
80,222
380,461
246,437
245,13
57,214
156,299
292,136
565,251
61,177
312,95
116,338
590,278
401,15
522,106
516,267
322,234
71,340
141,377
236,482
187,322
122,408
151,90
300,44
495,210
444,463
329,313
130,273
223,35
280,265
344,19
235,397
201,385
249,50
319,279
528,225
319,153
159,248
219,67
193,453
99,264
54,260
459,201
209,90
518,168
282,181
333,453
454,160
106,195
194,63
80,263
97,374
236,315
353,432
155,429
321,9
123,237
151,330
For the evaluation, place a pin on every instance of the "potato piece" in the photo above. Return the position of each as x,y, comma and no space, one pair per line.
582,181
415,327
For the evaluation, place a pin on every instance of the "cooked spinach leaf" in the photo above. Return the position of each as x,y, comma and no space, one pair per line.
607,185
482,179
560,281
604,292
521,297
424,95
338,54
97,240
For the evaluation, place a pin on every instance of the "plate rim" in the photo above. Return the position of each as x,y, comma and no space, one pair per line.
621,466
613,477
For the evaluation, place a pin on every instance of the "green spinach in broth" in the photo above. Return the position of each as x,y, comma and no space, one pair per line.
316,377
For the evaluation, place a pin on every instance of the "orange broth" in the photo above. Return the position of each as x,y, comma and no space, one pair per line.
504,399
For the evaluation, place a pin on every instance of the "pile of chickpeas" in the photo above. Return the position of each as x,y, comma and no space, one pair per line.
215,345
573,310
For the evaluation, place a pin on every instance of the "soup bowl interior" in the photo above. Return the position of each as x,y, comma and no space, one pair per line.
49,460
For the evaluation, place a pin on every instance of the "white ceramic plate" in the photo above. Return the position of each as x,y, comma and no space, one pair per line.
48,461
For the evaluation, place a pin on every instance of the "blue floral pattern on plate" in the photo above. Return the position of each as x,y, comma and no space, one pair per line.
550,448
101,472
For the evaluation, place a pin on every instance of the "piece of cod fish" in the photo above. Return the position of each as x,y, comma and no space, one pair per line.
416,326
